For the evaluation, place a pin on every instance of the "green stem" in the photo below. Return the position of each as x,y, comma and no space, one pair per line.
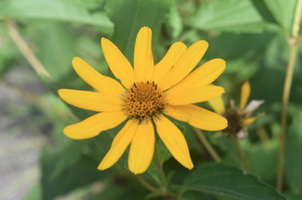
207,145
285,98
293,48
150,187
161,173
242,155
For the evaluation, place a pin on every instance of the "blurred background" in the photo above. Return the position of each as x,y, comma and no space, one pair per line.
39,38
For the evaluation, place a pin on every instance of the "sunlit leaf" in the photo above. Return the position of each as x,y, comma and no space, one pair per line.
59,10
228,15
283,11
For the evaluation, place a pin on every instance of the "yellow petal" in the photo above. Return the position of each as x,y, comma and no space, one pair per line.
143,58
249,120
197,117
252,119
95,79
174,141
184,65
245,93
95,124
194,95
119,145
142,148
202,76
94,101
118,63
173,54
218,105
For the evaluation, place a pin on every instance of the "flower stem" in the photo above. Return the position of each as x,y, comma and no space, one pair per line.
161,172
207,145
293,48
150,187
242,155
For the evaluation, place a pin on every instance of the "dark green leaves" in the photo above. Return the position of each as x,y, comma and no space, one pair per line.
69,156
163,153
227,180
129,16
293,158
228,15
80,173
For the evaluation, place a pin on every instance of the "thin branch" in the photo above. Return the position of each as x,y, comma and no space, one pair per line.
207,145
150,187
293,48
49,108
242,155
25,50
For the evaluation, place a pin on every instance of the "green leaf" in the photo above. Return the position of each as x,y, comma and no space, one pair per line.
101,144
129,16
293,159
175,22
263,160
226,180
69,156
81,173
228,15
66,10
56,50
228,145
35,192
283,11
164,153
122,187
263,11
292,196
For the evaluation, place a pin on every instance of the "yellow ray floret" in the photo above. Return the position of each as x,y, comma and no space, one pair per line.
143,58
168,61
197,117
174,141
96,80
118,63
119,145
245,94
94,125
218,105
142,148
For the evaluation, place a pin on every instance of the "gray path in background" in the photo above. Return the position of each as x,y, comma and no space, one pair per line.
21,135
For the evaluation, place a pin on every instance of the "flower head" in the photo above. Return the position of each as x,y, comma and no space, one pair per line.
146,94
238,119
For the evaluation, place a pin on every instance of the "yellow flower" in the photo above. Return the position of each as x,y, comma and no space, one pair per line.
238,119
148,93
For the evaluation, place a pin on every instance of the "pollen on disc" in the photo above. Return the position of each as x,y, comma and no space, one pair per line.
144,100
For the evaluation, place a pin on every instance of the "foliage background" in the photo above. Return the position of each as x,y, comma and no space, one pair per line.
251,35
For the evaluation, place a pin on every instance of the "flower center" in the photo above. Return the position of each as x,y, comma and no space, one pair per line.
144,100
235,122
